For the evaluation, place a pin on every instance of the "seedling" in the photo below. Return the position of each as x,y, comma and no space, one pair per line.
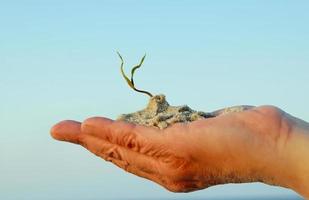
159,113
131,80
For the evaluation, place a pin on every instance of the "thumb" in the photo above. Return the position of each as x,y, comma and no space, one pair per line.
67,130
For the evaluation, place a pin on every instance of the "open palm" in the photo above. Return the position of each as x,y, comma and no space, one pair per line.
229,148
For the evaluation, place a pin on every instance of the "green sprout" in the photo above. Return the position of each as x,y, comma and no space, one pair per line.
131,81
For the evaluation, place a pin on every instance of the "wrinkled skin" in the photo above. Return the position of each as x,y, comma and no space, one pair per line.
232,148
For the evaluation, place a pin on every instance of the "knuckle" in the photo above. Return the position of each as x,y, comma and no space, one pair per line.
90,120
179,187
270,110
185,186
179,167
180,172
120,163
94,121
113,152
130,140
82,141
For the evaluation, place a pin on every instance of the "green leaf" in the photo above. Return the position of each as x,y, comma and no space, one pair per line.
123,74
136,67
126,78
131,82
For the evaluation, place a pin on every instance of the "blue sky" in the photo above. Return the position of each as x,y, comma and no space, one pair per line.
58,61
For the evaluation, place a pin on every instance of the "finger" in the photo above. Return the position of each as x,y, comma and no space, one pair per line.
67,130
108,151
132,162
134,137
133,170
183,186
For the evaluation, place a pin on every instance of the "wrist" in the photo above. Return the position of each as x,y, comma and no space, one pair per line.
289,166
297,157
284,161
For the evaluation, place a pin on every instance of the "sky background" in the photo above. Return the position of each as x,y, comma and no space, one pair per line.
58,61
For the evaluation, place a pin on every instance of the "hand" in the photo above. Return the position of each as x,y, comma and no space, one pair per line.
247,146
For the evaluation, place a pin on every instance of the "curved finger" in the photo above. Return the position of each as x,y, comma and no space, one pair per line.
108,151
131,136
184,186
130,161
67,130
133,170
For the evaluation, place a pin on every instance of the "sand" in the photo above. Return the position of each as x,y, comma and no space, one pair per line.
160,114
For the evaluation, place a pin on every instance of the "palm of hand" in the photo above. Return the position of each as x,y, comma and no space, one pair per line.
186,157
